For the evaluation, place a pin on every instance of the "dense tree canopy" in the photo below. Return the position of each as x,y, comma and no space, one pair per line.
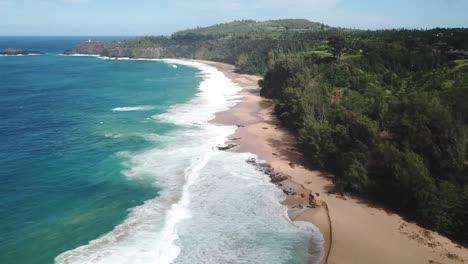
389,118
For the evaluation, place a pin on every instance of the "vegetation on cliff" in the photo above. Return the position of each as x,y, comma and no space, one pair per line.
247,44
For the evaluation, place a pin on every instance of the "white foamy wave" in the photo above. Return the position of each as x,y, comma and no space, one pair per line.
20,55
237,217
81,55
147,136
213,207
216,93
149,233
133,108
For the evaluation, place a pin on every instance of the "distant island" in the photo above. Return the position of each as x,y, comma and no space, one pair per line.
15,52
386,111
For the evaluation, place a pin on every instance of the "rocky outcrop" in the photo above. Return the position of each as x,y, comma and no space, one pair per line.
89,48
228,147
275,177
14,52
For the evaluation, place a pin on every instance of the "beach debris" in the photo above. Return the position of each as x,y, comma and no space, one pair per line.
235,138
317,194
308,182
264,127
291,165
228,147
312,201
420,235
240,126
343,197
274,154
302,195
452,256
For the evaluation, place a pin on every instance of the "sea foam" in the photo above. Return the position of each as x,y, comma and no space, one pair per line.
213,207
133,108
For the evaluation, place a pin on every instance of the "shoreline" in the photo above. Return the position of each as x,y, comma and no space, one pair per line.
355,230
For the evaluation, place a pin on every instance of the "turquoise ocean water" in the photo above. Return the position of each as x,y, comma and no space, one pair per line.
113,161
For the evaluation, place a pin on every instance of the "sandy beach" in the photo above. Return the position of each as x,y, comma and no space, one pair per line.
355,230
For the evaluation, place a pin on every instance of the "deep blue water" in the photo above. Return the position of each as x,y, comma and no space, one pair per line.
61,183
48,44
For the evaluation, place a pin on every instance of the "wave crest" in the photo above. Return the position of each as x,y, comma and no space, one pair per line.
133,108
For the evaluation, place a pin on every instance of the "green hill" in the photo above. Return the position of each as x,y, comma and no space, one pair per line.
251,26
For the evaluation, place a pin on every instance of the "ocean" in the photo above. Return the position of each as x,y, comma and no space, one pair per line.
114,161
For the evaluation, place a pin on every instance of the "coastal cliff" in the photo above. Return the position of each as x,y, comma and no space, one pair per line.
116,49
88,48
155,51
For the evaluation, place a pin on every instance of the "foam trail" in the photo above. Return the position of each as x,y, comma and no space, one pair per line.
146,136
133,108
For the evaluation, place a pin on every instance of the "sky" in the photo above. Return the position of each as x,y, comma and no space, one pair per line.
163,17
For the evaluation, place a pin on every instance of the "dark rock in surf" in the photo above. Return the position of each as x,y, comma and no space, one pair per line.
228,147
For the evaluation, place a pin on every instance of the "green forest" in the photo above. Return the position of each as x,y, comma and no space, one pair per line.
385,111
